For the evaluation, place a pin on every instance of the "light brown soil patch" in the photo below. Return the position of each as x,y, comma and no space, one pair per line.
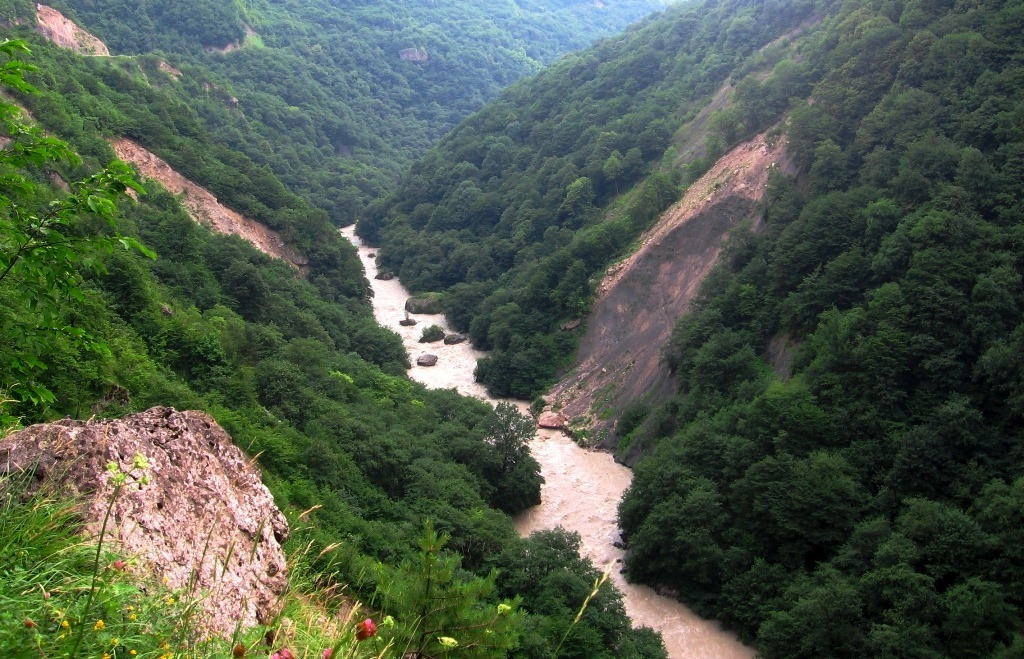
168,69
204,207
61,31
640,299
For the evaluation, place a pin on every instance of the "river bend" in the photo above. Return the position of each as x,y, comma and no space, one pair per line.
582,487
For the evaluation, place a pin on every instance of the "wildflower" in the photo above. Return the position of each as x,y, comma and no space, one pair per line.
98,627
140,461
447,642
388,622
327,653
30,624
503,609
119,565
132,652
283,653
132,617
106,656
65,624
238,650
115,641
365,629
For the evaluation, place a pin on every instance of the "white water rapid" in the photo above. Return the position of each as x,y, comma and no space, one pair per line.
582,487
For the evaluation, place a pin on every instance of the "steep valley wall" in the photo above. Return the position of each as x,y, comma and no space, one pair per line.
640,298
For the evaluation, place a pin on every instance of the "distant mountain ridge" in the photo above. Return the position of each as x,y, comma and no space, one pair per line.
326,99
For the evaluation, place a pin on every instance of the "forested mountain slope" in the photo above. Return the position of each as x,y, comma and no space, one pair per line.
517,209
840,471
867,501
337,98
294,368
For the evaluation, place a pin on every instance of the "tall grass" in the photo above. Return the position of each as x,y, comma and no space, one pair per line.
64,595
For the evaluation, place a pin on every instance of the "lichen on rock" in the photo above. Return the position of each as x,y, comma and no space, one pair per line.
204,519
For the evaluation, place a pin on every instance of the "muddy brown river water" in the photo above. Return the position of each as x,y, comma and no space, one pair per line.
582,487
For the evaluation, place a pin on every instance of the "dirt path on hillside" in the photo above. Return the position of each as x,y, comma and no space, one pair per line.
640,299
204,207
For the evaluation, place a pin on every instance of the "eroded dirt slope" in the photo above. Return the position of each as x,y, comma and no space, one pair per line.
203,206
61,31
640,298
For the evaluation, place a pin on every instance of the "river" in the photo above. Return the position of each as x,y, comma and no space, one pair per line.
582,487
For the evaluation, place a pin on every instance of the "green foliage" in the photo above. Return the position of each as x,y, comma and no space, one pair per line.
318,92
295,369
43,243
572,611
519,209
844,502
517,473
431,334
443,614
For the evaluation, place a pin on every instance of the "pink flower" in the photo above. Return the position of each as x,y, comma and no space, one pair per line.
365,630
283,653
327,653
119,565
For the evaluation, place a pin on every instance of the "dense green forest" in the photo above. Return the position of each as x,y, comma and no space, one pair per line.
515,211
319,92
858,494
862,497
295,369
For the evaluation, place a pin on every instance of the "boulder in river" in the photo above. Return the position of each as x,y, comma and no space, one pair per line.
407,322
426,360
385,275
428,303
552,420
452,339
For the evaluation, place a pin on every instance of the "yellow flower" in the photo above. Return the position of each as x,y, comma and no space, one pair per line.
132,652
169,600
447,641
98,627
132,617
65,624
106,656
503,608
115,641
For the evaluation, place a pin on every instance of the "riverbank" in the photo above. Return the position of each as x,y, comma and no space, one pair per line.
582,487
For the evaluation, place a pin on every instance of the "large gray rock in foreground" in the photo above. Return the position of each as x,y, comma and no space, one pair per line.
204,509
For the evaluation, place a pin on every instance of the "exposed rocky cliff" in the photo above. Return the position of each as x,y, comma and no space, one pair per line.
640,299
204,518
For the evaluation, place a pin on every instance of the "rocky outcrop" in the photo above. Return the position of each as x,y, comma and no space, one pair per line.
203,518
203,206
453,339
640,299
414,54
57,28
426,360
